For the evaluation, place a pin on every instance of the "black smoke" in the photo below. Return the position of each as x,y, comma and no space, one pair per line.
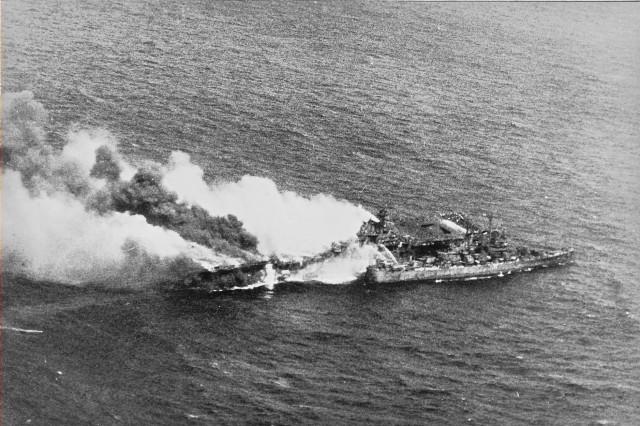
145,195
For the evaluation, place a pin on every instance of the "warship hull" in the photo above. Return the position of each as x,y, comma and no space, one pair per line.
247,276
406,273
250,275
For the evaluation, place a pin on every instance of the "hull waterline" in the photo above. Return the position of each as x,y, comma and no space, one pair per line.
404,273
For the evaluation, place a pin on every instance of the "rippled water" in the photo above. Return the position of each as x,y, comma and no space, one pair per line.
526,110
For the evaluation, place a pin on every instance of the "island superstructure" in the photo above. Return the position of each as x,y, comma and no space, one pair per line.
456,249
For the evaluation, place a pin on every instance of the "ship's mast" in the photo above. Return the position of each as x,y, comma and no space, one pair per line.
467,236
490,216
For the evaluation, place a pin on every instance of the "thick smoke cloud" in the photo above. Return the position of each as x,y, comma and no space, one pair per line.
24,148
66,217
106,165
285,223
145,195
53,237
84,214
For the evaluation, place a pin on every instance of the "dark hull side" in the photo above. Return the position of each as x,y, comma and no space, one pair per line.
247,276
404,273
243,276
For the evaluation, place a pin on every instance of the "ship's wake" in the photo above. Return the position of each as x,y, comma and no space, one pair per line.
82,213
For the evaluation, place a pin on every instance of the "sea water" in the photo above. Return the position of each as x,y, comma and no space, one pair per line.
526,111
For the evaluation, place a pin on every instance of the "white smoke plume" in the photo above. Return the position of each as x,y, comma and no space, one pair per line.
285,223
345,268
53,237
48,233
84,214
82,148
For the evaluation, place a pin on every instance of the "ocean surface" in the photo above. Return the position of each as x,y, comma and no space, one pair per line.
527,111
